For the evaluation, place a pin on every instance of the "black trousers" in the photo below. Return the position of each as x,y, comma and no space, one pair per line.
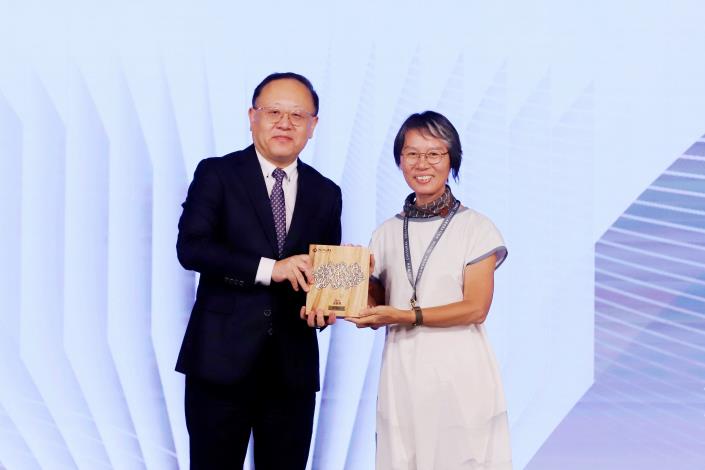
219,419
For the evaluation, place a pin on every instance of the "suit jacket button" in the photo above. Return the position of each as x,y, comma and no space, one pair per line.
267,313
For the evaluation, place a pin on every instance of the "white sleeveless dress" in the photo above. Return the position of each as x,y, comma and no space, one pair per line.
440,405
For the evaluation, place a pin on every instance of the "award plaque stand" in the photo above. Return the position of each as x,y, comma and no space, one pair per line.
341,275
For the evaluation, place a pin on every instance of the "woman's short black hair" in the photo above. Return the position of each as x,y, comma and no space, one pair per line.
436,125
290,76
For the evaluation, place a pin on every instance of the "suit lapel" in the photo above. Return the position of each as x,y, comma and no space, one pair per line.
304,196
257,191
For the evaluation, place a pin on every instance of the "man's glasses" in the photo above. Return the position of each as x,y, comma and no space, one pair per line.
273,115
433,157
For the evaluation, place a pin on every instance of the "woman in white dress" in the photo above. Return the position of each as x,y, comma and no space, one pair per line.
440,404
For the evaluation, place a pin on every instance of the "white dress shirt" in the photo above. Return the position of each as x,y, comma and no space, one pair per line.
289,185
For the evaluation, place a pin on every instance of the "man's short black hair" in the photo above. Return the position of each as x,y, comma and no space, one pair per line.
290,76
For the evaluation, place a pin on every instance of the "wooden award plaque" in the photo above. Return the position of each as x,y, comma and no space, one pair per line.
341,275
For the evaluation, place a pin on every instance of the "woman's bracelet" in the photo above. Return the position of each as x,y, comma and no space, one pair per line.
419,316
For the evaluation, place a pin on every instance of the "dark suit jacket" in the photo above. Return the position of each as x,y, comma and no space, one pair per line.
226,227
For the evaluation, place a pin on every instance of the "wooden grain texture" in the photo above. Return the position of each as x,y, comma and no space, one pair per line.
341,279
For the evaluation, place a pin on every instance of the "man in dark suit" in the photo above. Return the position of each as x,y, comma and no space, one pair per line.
251,362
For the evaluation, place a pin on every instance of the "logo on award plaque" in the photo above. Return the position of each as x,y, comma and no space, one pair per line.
341,275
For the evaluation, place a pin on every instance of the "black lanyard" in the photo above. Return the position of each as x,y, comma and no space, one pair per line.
431,246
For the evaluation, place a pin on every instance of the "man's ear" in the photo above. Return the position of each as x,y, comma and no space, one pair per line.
251,115
314,121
